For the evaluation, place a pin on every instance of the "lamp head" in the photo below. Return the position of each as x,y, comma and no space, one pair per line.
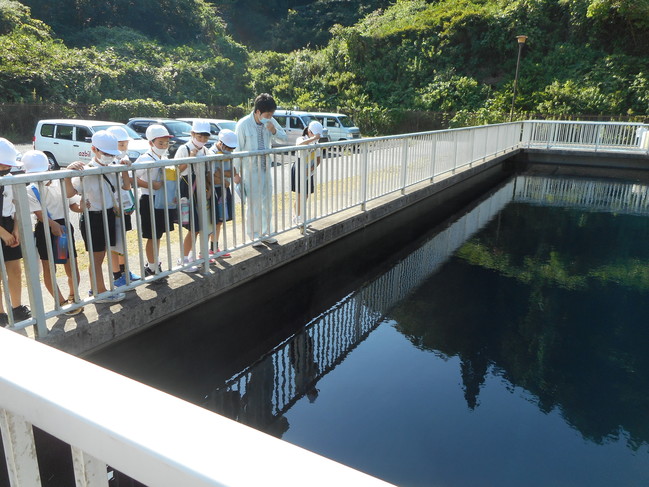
521,39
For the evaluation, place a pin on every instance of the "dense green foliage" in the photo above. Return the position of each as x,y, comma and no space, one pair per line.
583,57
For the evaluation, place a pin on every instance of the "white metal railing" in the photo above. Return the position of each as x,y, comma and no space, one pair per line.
350,174
161,440
588,136
153,437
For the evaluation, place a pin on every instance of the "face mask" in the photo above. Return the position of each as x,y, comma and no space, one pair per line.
122,154
105,160
158,152
4,172
265,120
198,144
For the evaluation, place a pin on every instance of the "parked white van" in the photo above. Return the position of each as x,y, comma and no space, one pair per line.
294,122
339,126
68,140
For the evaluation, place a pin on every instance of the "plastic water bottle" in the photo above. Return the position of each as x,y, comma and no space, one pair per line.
184,211
62,248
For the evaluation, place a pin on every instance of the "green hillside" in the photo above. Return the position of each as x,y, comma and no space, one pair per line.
583,57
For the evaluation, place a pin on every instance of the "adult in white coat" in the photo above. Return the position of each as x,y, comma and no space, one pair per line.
257,131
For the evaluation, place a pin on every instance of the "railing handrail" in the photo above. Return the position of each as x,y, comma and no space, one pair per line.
153,449
156,438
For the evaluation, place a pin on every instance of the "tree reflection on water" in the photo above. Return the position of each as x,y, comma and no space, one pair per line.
554,301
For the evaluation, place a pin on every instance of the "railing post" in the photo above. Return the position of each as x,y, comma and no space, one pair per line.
31,260
364,173
88,471
20,450
454,151
433,153
404,165
201,191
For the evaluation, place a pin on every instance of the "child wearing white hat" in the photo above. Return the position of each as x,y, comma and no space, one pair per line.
305,184
222,174
10,240
201,131
98,192
123,219
48,195
148,181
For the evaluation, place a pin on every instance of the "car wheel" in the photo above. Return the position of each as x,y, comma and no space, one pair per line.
54,166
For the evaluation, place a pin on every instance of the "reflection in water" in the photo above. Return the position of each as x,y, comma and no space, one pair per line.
558,305
261,394
528,288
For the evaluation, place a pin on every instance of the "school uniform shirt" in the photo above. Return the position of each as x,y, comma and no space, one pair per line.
216,165
8,207
125,193
143,174
183,152
93,185
51,196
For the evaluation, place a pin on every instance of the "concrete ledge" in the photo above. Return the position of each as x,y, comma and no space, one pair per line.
102,324
609,160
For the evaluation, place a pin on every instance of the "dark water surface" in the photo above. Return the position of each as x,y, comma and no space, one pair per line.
510,349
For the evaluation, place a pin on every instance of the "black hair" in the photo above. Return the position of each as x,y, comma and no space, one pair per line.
305,132
265,103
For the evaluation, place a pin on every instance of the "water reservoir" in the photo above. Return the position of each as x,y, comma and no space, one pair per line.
505,346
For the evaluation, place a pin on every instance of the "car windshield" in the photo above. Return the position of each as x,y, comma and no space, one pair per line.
345,121
131,133
228,125
178,128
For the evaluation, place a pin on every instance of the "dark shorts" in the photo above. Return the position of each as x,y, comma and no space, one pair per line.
41,245
97,234
159,217
128,225
219,209
296,182
9,253
222,211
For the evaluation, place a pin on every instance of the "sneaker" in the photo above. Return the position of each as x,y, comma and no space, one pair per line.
258,244
4,319
269,240
185,262
224,255
120,282
114,298
21,313
133,277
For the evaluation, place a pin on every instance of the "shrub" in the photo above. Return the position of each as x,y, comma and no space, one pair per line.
122,110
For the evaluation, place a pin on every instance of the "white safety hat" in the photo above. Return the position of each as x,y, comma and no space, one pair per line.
156,131
35,161
105,142
118,132
8,153
201,127
229,138
316,128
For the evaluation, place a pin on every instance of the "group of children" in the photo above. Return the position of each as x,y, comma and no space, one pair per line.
106,202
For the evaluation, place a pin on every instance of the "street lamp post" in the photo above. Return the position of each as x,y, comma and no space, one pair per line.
521,40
